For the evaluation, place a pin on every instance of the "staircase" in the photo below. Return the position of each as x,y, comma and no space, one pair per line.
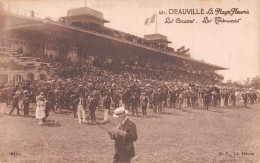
17,64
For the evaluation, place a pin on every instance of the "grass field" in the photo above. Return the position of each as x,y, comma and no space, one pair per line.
192,135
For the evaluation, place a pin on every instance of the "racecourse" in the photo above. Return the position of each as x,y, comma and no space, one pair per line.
193,135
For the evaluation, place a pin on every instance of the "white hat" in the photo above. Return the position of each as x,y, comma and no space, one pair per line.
119,112
40,97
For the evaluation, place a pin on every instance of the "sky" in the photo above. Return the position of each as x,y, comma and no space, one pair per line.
231,45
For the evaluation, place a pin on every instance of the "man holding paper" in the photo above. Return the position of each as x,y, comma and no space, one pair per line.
124,135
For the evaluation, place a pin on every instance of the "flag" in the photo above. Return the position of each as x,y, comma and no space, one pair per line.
185,51
181,48
150,20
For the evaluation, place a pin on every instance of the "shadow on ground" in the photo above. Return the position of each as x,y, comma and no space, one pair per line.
51,123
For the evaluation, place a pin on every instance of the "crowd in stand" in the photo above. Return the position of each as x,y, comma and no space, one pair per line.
128,37
102,86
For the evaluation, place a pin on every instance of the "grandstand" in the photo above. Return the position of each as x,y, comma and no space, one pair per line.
81,36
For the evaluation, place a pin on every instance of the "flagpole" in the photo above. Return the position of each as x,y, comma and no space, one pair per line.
229,64
156,25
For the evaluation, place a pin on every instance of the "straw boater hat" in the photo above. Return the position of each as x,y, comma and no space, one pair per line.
40,97
120,112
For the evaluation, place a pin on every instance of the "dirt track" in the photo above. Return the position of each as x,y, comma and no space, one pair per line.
193,135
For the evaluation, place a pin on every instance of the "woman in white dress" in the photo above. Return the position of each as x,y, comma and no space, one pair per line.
40,109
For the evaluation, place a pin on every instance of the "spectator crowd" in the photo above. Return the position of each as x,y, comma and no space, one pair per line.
109,85
128,37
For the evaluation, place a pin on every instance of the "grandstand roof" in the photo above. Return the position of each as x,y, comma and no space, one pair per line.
85,11
157,37
68,31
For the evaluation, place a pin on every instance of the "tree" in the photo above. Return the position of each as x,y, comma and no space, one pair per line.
256,83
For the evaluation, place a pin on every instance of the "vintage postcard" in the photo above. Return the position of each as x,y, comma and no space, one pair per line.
130,81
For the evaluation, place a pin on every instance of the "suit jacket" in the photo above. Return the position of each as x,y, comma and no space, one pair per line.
133,101
107,103
15,100
26,99
116,98
124,145
155,98
77,101
144,101
206,96
93,103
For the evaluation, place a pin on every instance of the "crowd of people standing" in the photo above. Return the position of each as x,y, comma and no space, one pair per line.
87,87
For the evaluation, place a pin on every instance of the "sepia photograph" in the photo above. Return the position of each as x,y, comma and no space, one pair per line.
120,81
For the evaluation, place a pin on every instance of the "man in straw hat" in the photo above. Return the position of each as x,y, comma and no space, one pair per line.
124,135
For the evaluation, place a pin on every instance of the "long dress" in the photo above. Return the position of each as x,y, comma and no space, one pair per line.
40,109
